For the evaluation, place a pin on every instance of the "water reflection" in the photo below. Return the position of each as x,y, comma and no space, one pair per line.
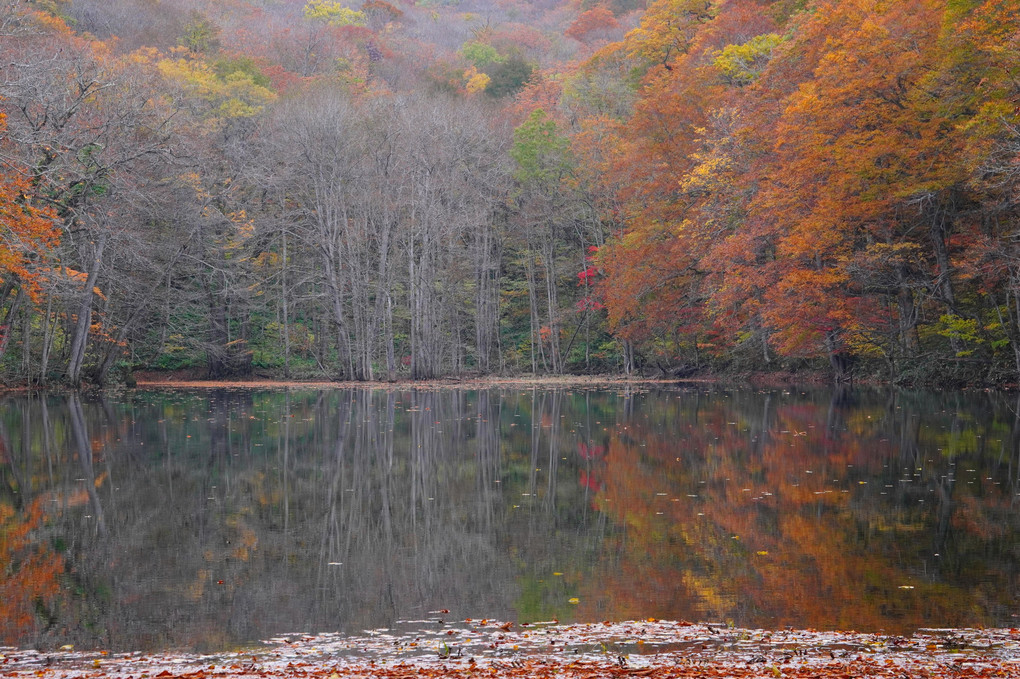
211,519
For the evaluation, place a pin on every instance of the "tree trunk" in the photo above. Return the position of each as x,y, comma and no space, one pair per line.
114,351
552,303
907,307
5,328
285,311
840,360
79,340
49,325
938,230
537,350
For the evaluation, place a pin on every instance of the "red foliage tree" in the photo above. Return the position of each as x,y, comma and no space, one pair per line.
592,24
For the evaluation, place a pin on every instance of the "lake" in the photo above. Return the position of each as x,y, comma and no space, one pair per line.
205,520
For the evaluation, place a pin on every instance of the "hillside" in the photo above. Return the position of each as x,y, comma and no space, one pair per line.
420,189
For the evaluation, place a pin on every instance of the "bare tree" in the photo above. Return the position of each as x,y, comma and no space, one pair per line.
82,125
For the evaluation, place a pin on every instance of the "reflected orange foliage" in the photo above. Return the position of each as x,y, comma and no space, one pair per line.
766,527
31,571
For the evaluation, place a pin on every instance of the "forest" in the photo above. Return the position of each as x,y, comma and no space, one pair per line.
429,188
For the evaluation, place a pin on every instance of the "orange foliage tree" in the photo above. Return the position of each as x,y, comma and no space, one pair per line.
678,178
863,184
595,22
26,233
816,184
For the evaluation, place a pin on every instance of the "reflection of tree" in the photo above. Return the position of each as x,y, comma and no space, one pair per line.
775,517
30,570
83,446
30,573
231,516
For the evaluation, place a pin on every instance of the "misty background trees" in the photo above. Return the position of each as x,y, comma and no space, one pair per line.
213,218
285,204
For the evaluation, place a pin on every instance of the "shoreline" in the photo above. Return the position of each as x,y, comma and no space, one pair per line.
147,381
187,380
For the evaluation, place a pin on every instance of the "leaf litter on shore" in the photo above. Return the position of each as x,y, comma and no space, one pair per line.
489,648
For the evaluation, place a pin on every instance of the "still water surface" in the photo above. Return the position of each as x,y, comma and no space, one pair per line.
209,519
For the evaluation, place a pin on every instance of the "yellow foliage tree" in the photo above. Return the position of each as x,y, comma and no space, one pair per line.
229,93
666,30
475,81
334,14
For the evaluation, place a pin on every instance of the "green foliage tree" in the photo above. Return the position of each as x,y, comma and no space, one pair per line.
508,77
201,34
539,151
481,54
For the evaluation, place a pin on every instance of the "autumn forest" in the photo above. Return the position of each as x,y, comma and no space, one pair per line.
425,188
